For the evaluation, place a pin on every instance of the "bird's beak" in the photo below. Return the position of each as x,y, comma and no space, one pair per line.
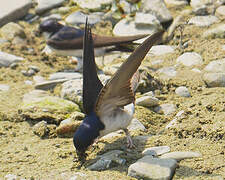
81,156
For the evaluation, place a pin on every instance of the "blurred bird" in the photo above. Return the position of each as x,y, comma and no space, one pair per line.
111,107
68,41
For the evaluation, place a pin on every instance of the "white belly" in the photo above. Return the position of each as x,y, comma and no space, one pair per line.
117,120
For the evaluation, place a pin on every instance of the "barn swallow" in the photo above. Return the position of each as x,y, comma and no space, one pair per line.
68,41
111,107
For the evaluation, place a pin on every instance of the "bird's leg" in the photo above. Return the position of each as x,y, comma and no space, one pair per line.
79,67
130,143
103,61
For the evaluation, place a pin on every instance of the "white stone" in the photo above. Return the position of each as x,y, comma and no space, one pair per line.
156,151
167,72
127,28
178,155
4,87
220,12
71,89
166,109
44,5
218,31
196,70
157,8
190,59
78,17
158,50
147,101
152,168
216,66
92,4
182,91
144,19
172,123
136,125
11,30
176,2
65,75
223,47
203,21
12,10
10,177
7,59
47,85
214,79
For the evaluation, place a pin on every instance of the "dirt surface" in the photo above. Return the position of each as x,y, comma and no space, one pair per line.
202,129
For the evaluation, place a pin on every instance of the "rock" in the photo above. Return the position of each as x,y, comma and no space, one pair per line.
156,151
148,101
13,10
11,30
10,177
28,82
52,16
106,160
182,91
144,19
203,21
223,47
33,95
178,116
112,135
78,18
44,5
67,128
29,72
167,72
126,28
220,12
37,105
157,8
178,156
65,75
63,10
196,70
176,2
136,125
71,89
4,87
47,85
152,168
199,7
161,50
7,59
40,129
216,32
166,109
216,66
214,79
190,59
93,5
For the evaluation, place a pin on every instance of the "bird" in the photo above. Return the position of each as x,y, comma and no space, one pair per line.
110,107
68,41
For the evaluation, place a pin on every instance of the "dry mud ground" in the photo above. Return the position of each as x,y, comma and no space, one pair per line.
202,129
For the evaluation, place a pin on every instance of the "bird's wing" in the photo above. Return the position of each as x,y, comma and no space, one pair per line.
91,83
119,91
67,38
72,38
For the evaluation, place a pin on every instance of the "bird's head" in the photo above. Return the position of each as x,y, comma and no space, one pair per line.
50,25
85,135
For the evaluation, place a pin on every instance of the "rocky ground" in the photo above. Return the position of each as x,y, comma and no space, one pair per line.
179,124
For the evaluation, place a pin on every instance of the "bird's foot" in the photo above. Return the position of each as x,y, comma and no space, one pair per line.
130,143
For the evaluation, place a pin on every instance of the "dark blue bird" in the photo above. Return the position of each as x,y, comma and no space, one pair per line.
68,41
111,107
